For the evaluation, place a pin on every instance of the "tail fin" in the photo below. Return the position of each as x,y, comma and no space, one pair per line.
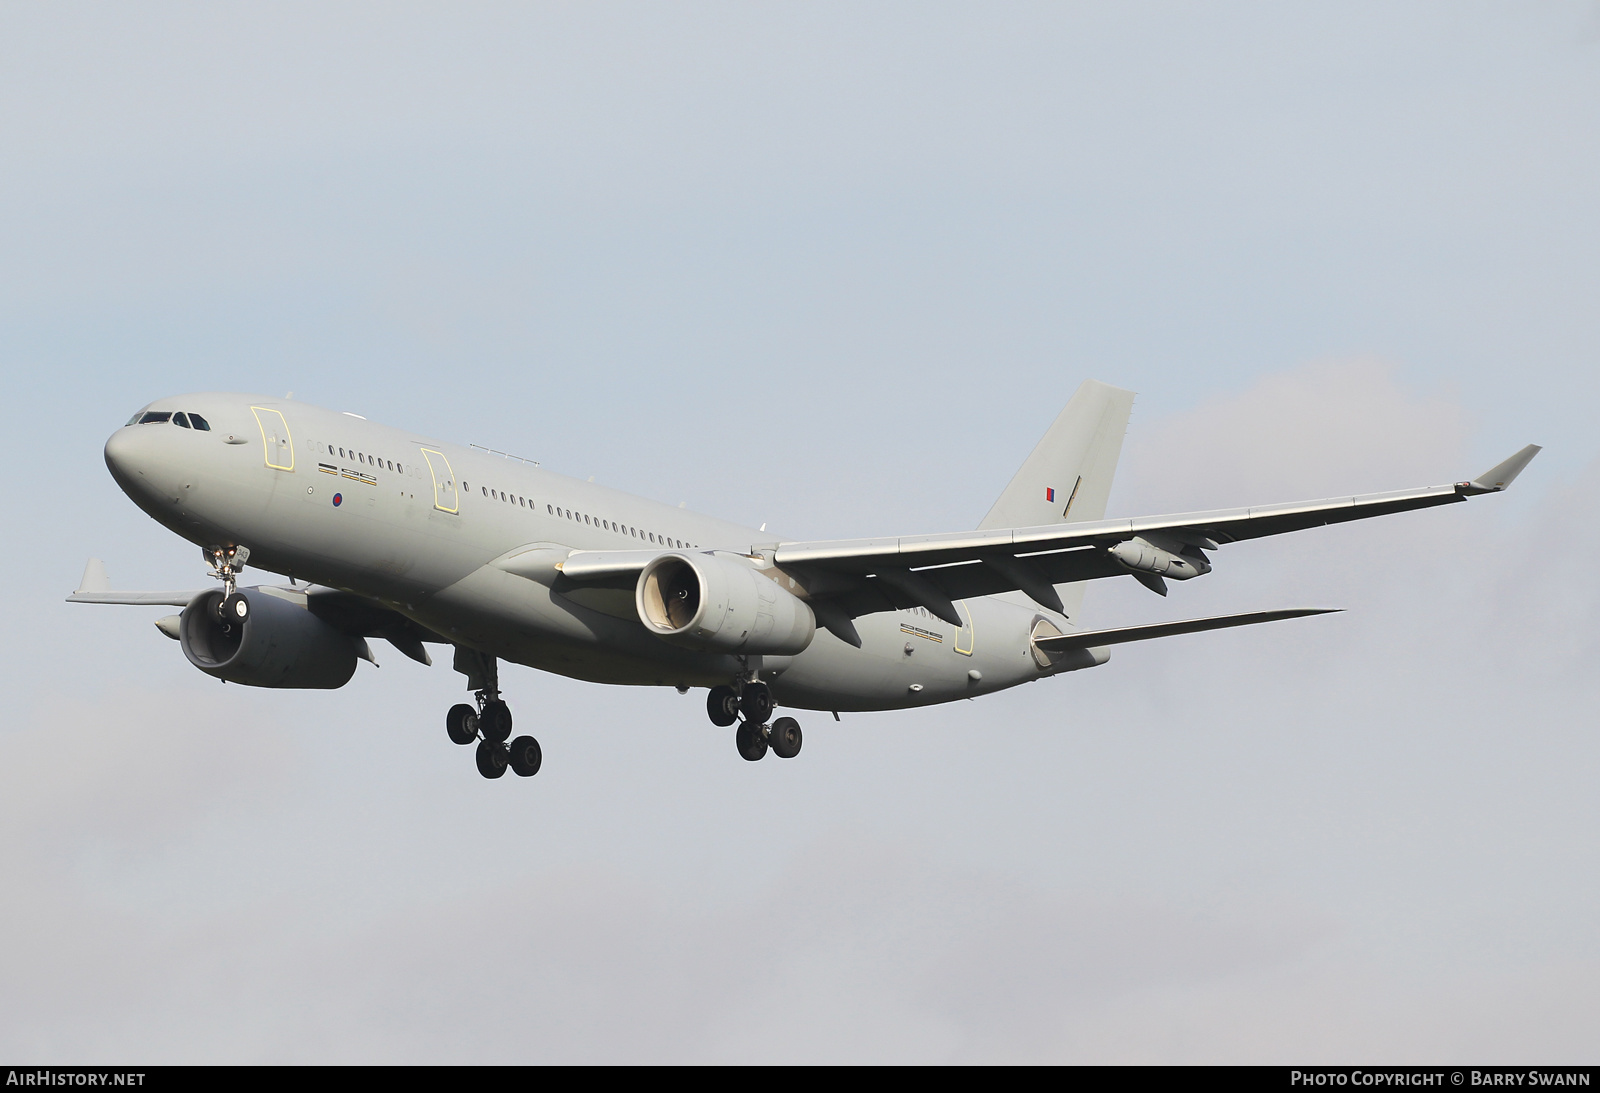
1068,476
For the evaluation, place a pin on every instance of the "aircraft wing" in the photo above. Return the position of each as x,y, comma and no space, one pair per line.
346,611
95,587
360,617
848,578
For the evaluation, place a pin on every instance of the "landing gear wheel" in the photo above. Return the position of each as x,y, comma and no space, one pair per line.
785,737
722,704
756,703
491,759
461,723
525,756
752,744
495,722
233,608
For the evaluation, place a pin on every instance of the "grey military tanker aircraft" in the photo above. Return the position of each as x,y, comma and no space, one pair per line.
386,533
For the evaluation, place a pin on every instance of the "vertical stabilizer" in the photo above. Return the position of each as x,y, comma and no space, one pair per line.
1068,476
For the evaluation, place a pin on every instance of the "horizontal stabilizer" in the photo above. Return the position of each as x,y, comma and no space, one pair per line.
1088,639
1502,475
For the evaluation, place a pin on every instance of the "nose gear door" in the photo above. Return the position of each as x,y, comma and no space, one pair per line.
275,438
445,497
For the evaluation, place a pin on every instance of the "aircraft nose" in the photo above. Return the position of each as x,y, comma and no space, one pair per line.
123,460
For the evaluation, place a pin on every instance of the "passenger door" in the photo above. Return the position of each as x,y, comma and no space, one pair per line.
963,644
445,496
275,438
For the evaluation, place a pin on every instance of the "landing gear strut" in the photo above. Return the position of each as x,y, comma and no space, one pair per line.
753,701
489,722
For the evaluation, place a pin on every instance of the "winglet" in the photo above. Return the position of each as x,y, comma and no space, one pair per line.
94,577
1501,475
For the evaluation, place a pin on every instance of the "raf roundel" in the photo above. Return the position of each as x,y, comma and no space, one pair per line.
338,499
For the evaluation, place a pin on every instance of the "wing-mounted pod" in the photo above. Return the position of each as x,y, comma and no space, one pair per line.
1154,556
273,642
718,604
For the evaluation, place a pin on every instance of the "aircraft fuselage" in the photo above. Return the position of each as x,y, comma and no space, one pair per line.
415,524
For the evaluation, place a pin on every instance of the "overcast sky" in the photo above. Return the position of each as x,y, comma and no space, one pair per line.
832,267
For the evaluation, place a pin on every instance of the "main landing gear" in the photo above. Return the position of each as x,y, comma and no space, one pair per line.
753,702
489,723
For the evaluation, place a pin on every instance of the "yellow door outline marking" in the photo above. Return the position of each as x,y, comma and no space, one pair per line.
968,630
267,439
450,480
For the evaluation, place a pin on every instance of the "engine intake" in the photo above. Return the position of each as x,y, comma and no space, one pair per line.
273,643
701,601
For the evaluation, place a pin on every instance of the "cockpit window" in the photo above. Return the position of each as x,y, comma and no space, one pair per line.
156,417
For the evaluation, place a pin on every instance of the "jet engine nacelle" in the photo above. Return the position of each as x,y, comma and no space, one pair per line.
276,642
704,602
1161,558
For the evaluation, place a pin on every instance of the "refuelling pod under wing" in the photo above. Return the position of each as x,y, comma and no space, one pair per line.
279,643
722,605
1153,557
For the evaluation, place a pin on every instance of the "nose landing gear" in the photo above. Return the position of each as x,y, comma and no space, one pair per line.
226,563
